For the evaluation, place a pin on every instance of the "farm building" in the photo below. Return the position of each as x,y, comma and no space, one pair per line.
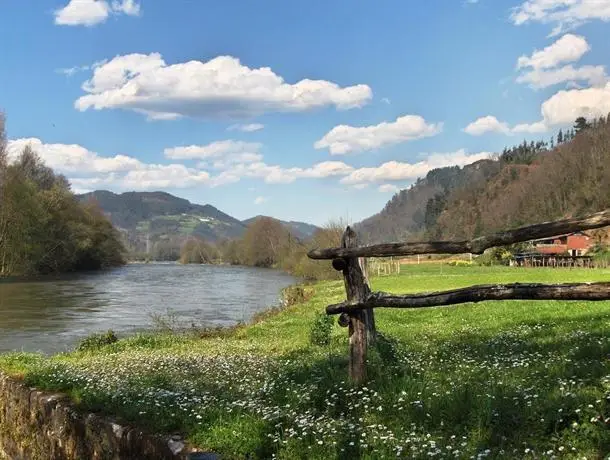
574,244
568,250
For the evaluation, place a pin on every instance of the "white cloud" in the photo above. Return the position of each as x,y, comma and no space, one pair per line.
395,170
388,188
544,69
247,128
563,108
72,70
73,158
538,78
569,48
385,100
221,87
344,139
567,105
92,12
530,128
128,7
260,200
216,149
488,124
564,14
275,174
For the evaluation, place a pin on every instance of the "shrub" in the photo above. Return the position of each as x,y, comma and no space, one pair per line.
460,263
321,330
97,341
293,295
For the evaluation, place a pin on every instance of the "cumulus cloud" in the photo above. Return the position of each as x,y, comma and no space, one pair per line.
219,88
247,128
396,170
490,124
275,174
388,188
567,105
92,12
345,139
563,14
487,124
538,78
73,158
560,109
545,70
569,48
260,200
214,150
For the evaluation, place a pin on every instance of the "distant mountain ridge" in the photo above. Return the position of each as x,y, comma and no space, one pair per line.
148,219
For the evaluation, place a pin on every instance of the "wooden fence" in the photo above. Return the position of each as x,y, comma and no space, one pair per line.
357,312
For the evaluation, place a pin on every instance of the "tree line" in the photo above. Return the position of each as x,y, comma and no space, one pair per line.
268,243
43,227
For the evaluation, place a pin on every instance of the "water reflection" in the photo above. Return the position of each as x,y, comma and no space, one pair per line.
52,314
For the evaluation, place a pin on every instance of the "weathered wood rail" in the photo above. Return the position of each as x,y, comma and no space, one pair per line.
357,311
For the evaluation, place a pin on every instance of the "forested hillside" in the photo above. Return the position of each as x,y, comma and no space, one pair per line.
528,183
43,227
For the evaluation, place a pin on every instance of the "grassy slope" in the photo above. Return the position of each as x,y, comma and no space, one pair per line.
499,380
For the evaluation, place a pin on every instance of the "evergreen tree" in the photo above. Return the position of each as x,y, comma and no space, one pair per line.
581,124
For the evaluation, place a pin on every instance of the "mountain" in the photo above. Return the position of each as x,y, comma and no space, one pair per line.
526,184
148,218
410,211
301,230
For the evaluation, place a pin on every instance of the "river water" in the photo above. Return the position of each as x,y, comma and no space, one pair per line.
52,314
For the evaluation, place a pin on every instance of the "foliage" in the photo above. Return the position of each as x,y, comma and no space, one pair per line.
460,263
321,329
197,251
520,379
43,228
327,237
525,184
97,341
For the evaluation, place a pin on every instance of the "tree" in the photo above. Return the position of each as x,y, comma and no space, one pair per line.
560,137
581,124
43,227
264,242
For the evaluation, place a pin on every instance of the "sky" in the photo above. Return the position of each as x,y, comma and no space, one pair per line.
305,111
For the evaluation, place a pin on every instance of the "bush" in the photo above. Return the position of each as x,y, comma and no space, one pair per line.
460,263
97,341
293,295
321,330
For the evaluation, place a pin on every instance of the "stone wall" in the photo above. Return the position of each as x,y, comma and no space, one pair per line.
37,425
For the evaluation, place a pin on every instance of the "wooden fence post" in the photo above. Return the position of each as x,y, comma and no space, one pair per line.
356,289
369,313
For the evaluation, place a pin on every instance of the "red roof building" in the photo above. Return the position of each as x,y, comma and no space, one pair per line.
574,244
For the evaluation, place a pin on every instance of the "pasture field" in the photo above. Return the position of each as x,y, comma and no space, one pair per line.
509,379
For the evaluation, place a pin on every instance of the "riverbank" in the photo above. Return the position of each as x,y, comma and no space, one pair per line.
498,380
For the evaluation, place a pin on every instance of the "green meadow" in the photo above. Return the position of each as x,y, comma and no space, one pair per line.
507,379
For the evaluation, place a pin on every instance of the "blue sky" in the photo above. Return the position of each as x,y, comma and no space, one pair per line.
301,110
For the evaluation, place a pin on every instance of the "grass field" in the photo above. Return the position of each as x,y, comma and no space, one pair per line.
518,379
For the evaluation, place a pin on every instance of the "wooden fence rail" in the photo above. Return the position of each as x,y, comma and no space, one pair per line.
357,312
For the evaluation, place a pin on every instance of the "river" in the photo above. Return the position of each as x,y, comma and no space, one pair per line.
52,314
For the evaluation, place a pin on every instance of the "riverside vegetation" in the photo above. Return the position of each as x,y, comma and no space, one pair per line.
520,379
43,227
